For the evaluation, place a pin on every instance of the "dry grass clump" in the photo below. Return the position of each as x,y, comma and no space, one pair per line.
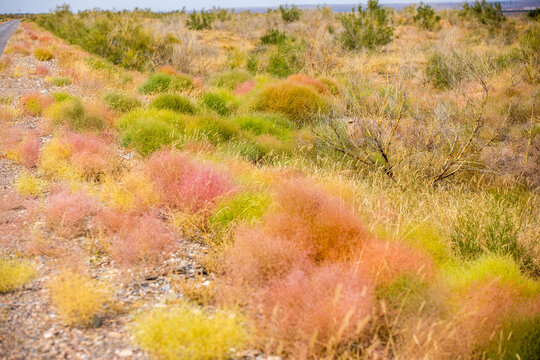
30,185
92,155
186,184
78,298
43,54
136,239
29,150
34,104
318,85
68,212
14,274
133,190
301,103
189,332
73,114
309,314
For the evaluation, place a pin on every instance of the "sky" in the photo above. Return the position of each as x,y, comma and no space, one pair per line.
37,6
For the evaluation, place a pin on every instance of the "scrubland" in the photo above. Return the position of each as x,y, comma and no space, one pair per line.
365,185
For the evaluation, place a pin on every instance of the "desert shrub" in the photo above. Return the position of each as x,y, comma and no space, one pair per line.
427,237
216,129
446,70
59,80
92,155
300,103
518,337
62,96
366,28
323,226
271,124
120,101
245,207
189,332
73,114
534,14
180,82
230,79
274,37
278,55
425,17
149,130
142,239
68,212
290,13
222,102
132,191
78,298
42,70
14,274
34,104
491,230
156,83
5,62
29,150
29,185
244,88
310,314
484,12
185,184
173,102
43,54
307,80
200,21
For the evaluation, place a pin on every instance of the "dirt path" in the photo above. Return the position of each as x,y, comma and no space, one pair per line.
6,29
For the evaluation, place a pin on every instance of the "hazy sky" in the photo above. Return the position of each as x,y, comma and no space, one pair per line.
12,6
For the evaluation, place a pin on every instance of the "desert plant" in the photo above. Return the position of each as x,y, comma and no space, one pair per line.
29,185
230,79
188,332
290,14
14,274
274,37
301,103
73,114
484,12
222,102
534,14
58,80
243,207
43,54
180,82
366,28
68,212
78,298
149,130
29,150
120,101
425,17
185,184
173,102
34,104
270,124
200,21
156,83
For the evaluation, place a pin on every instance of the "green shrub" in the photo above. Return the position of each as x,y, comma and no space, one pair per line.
442,71
151,129
484,12
189,332
300,103
120,101
244,207
425,17
201,21
367,28
43,54
156,83
216,129
14,274
71,112
518,337
60,96
220,101
173,102
274,37
491,230
230,79
180,82
534,14
290,14
270,124
58,80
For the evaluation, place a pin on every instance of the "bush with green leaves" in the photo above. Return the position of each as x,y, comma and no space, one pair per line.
72,113
266,124
156,83
176,103
230,79
222,102
245,207
485,12
274,37
534,14
200,21
290,14
148,130
120,101
425,17
366,28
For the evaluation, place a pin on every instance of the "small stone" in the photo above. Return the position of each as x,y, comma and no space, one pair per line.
125,353
48,335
